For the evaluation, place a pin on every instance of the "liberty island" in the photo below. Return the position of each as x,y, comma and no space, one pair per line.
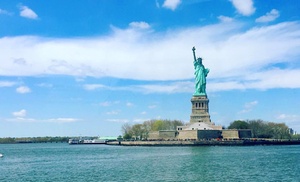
201,130
200,126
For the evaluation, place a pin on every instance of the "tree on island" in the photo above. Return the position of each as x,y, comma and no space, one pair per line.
263,129
141,131
46,139
238,124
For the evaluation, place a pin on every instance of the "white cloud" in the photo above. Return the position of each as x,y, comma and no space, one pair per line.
140,25
23,90
118,120
270,16
238,58
7,83
249,106
144,112
152,106
62,120
27,13
109,103
93,86
291,120
21,113
129,104
140,120
52,120
113,112
244,7
105,104
137,120
171,4
45,85
4,12
172,87
288,117
225,18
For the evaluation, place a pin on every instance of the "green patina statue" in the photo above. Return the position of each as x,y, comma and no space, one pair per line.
200,76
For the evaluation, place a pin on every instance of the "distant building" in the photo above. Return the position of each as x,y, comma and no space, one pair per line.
291,131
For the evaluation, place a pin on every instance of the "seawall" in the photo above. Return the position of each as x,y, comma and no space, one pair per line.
207,143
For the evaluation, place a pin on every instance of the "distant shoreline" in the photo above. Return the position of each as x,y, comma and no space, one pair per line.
250,142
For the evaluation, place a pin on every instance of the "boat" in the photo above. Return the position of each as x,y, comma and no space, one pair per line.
73,141
99,140
1,155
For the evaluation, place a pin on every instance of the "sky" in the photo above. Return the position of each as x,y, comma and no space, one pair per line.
86,67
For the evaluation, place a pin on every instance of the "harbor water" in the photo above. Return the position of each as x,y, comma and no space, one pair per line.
63,162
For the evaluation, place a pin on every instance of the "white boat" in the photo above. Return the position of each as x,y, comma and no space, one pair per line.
86,141
99,140
1,155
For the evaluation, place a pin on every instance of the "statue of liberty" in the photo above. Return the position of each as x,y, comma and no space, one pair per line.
200,76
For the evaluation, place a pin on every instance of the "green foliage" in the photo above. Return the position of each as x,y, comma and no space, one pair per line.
263,129
46,139
296,136
141,131
239,125
127,136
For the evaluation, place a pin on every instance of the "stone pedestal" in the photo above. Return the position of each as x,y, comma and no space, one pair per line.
200,111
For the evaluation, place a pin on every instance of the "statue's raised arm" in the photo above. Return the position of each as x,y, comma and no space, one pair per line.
195,59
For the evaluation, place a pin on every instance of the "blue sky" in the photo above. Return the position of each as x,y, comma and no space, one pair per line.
72,68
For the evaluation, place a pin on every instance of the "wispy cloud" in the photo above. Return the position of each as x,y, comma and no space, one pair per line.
93,86
52,120
140,25
152,106
109,103
7,83
136,120
171,4
270,16
105,104
225,18
292,117
291,120
23,90
45,85
115,112
62,120
118,120
249,106
244,7
21,113
129,104
5,12
26,12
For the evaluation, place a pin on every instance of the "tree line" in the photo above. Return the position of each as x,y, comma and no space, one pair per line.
141,131
46,139
259,128
263,129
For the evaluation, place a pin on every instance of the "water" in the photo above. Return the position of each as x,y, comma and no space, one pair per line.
63,162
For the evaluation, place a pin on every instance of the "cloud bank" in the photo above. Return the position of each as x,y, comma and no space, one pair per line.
239,58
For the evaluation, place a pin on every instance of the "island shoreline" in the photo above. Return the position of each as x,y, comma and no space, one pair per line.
206,143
